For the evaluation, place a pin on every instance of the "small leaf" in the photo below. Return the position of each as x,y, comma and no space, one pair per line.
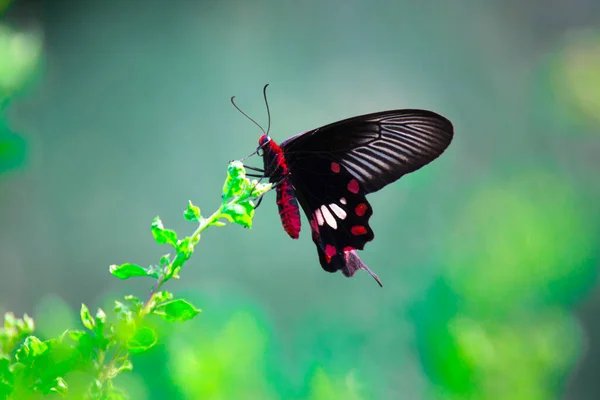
218,223
176,310
162,296
86,317
9,320
58,386
165,260
185,248
31,348
235,182
75,335
29,324
240,213
192,213
128,270
135,302
143,339
100,317
24,326
162,235
100,328
36,345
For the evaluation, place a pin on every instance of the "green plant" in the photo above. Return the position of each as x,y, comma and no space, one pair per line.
31,368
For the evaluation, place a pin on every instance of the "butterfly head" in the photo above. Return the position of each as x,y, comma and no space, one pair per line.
262,143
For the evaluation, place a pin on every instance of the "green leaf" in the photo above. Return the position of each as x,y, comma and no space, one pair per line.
185,247
58,386
100,318
100,329
143,339
162,235
240,213
25,326
176,310
135,302
86,346
192,213
36,345
9,320
165,260
86,317
128,270
31,348
162,297
218,223
75,335
236,181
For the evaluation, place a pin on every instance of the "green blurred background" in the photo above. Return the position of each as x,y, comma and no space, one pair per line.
115,111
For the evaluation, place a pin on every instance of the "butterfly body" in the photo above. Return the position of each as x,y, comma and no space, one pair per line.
278,172
329,171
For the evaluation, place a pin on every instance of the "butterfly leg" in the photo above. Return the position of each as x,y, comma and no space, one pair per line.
254,169
272,187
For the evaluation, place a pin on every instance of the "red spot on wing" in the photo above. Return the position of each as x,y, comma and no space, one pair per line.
358,230
348,248
335,167
330,251
353,186
361,209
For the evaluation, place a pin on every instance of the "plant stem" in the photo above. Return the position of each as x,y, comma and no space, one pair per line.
204,223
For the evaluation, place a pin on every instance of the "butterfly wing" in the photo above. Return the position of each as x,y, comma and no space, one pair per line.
333,168
338,211
377,149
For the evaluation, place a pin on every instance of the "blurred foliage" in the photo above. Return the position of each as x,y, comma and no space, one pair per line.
20,55
30,367
496,243
12,148
521,242
577,75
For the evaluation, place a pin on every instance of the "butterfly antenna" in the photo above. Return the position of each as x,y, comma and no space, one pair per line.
246,115
268,111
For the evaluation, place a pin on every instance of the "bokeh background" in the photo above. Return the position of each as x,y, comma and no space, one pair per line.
115,111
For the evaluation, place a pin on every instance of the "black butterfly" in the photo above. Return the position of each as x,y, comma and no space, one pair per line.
330,170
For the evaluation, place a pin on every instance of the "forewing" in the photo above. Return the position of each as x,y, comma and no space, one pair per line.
376,149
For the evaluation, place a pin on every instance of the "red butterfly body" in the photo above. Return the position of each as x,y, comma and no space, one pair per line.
329,171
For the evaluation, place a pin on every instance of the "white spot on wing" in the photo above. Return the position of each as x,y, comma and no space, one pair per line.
343,200
319,217
329,218
337,210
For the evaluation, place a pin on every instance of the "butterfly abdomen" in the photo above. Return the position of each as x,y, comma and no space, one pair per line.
289,212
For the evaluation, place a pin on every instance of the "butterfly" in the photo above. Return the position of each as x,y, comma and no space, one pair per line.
328,172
